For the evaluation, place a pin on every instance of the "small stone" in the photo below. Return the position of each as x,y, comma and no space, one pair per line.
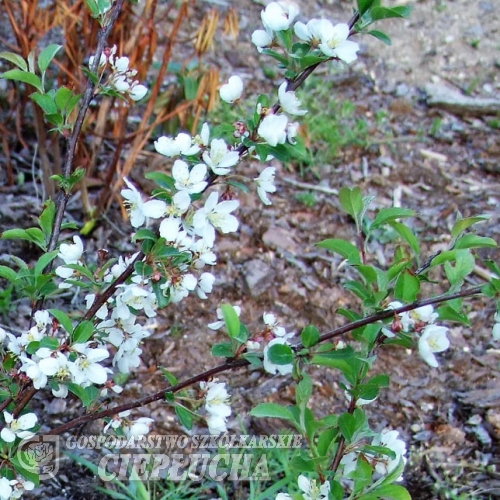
258,276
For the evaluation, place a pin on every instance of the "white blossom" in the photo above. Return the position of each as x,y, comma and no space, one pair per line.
217,405
272,323
213,216
178,288
273,129
137,91
140,427
311,32
232,90
311,491
192,181
334,42
433,339
219,158
278,18
71,253
139,210
18,427
265,184
289,101
205,285
389,439
261,39
181,144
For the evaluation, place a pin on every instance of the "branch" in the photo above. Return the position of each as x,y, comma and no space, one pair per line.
231,364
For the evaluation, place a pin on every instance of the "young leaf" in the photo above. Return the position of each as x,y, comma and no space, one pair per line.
462,224
351,200
63,319
14,59
407,235
222,350
344,248
309,336
46,56
473,241
83,332
280,354
185,417
407,287
231,320
23,76
380,35
271,410
46,218
45,101
390,214
8,273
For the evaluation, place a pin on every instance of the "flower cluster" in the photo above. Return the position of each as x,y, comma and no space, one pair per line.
310,490
431,338
14,488
217,406
383,464
122,76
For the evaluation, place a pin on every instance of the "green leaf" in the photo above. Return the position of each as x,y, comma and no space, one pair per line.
386,215
407,287
63,319
464,265
46,218
473,241
380,35
223,350
62,98
378,13
15,234
144,234
23,76
190,88
36,236
14,59
448,313
44,261
271,410
303,390
343,248
462,224
50,343
8,273
407,235
309,336
231,320
45,101
351,200
185,417
280,354
364,5
393,492
358,289
302,464
83,332
347,426
46,56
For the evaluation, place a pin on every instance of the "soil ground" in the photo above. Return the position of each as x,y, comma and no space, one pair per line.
450,417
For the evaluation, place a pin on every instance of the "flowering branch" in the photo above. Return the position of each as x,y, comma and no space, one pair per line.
232,364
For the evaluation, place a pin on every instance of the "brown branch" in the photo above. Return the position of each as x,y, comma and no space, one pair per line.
231,364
